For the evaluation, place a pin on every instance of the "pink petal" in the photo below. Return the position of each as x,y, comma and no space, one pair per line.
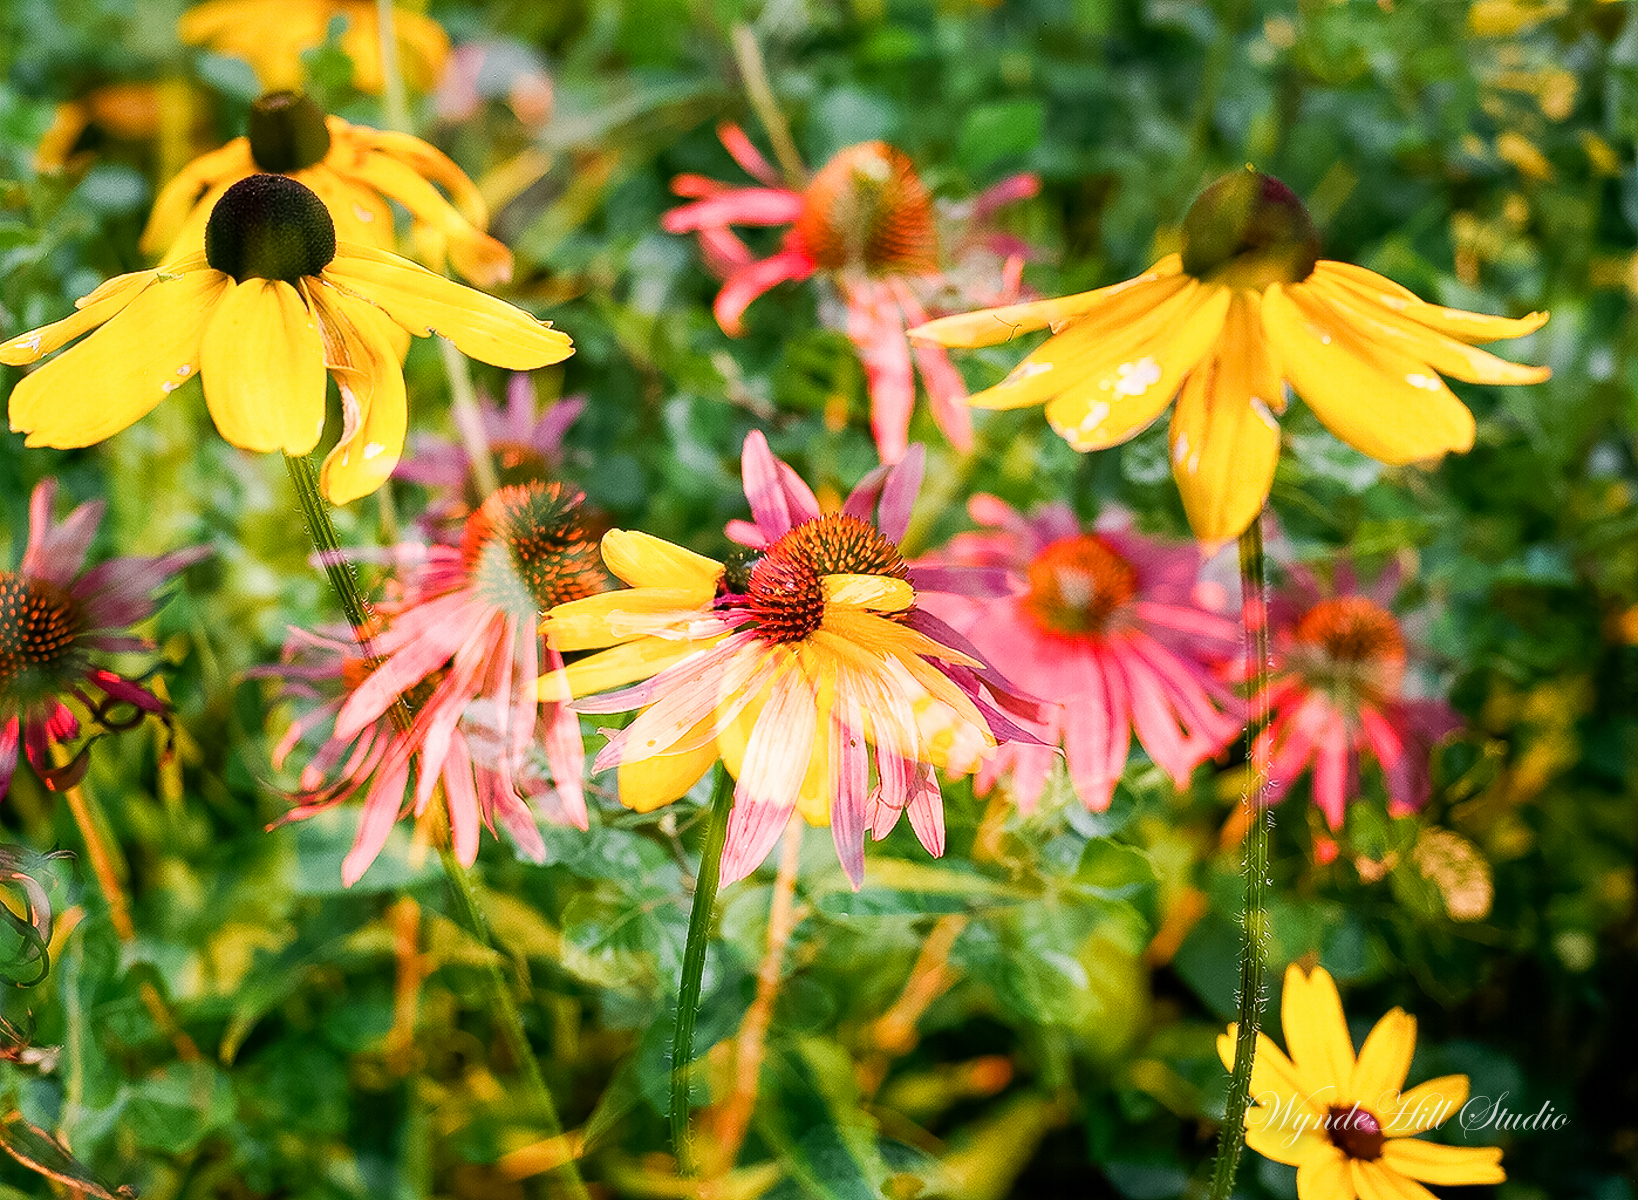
737,206
926,811
1331,773
850,772
746,155
899,493
381,807
877,333
776,760
745,286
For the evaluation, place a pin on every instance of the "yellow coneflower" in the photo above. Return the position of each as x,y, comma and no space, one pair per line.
261,313
1245,308
270,35
1346,1123
355,170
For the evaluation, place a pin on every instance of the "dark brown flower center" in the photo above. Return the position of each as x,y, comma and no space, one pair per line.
866,208
270,227
287,133
783,587
1079,586
1249,229
527,549
39,625
1355,1131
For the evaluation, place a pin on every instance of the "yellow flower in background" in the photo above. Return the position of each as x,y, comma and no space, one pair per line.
1346,1123
1247,307
270,35
270,304
355,170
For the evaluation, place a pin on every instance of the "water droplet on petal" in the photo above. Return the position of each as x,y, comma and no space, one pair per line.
1095,417
1429,383
1180,449
363,214
168,387
1135,378
185,370
373,450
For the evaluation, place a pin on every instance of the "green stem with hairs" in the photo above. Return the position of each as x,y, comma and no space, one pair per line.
505,1009
1254,618
693,964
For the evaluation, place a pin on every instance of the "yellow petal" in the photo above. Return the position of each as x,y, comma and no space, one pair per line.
1373,397
475,254
263,367
1224,437
1452,322
620,665
1292,1142
1424,1106
881,593
661,778
93,310
645,561
1458,1166
360,214
1121,393
1097,345
118,374
1377,322
1372,1181
995,325
481,326
1384,1059
182,196
1275,1084
1325,1176
1316,1033
602,620
359,351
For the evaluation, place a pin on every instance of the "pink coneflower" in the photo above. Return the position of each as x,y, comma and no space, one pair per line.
866,222
1104,623
790,663
54,617
525,446
1339,669
462,648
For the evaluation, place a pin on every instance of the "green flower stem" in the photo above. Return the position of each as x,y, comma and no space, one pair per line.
1254,616
693,965
754,73
502,1004
395,107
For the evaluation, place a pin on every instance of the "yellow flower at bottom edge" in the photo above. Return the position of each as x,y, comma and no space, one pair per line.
271,303
355,170
270,35
1245,308
1346,1123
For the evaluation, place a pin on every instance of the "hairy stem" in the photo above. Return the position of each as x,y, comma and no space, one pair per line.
693,965
1254,618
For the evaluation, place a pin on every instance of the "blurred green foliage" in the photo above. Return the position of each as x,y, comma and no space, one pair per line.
335,1043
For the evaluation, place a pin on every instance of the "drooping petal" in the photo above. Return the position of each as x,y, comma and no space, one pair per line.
1376,399
481,326
776,760
1451,322
746,285
736,206
877,334
263,365
178,199
115,376
926,811
850,775
1225,440
359,352
646,784
381,807
475,254
598,621
996,325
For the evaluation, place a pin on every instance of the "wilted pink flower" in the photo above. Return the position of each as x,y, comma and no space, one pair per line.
54,617
865,221
525,446
1104,623
463,648
1337,692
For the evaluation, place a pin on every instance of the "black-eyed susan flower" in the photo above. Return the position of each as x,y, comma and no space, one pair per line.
270,304
355,170
1247,307
1347,1123
796,663
55,617
866,222
463,643
271,35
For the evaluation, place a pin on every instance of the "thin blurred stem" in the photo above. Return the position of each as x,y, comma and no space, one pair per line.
693,965
750,1046
755,75
1254,618
395,107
